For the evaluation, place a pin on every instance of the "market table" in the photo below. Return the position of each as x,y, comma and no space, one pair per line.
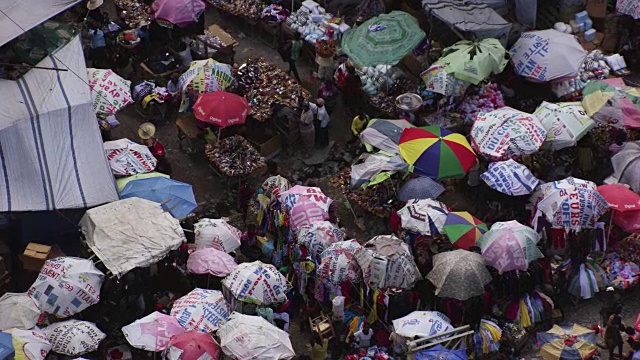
234,159
215,43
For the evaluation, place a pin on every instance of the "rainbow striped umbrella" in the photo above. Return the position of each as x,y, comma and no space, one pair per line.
436,152
463,229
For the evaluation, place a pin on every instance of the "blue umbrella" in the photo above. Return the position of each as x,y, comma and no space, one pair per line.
420,188
175,196
6,346
439,352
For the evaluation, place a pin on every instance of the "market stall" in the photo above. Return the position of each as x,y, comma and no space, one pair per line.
135,13
234,157
215,43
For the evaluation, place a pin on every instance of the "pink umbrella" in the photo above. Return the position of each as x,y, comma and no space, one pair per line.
306,213
619,197
178,12
629,221
211,261
152,332
193,345
291,197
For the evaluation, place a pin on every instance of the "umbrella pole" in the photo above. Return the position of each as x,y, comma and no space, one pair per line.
208,276
609,230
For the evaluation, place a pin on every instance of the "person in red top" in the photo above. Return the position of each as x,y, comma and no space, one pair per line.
146,131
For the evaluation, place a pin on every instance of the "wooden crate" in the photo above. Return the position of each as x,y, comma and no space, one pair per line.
269,148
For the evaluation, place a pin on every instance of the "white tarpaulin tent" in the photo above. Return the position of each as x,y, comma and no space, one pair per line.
131,233
51,154
18,16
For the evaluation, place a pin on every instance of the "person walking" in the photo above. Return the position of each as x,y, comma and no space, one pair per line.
307,129
352,89
146,132
329,92
612,336
322,135
295,46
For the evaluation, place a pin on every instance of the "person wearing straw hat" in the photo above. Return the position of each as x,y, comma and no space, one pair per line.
146,132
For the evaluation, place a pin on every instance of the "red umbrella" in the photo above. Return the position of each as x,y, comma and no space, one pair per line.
193,345
221,108
619,197
629,221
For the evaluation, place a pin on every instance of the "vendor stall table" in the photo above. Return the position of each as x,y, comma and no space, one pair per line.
216,44
190,136
246,12
234,159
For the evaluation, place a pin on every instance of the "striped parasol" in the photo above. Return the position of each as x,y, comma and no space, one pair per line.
436,152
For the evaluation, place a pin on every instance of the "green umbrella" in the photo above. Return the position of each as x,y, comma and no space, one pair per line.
41,41
382,40
474,61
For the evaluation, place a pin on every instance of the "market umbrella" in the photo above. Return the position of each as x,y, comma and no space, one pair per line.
439,352
7,350
629,221
123,181
509,246
66,286
131,233
152,332
306,212
459,274
510,177
109,91
547,55
626,165
439,81
436,152
382,40
18,310
565,123
211,261
384,134
463,229
41,41
291,197
374,169
29,344
612,102
628,7
507,133
217,234
338,262
420,188
175,197
569,203
221,108
619,197
253,337
177,12
474,61
567,343
257,283
426,216
201,310
388,262
315,238
203,77
422,324
193,345
129,158
274,186
73,337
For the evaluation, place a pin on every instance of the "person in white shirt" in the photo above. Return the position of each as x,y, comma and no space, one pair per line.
322,133
362,339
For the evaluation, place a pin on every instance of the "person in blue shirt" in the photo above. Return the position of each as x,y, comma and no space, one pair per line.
98,45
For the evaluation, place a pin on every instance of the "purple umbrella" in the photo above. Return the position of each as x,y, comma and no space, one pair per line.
177,12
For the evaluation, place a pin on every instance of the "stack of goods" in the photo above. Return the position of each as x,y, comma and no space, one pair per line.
235,156
372,353
251,9
274,13
129,38
379,199
589,280
385,101
264,84
326,48
622,273
206,41
379,78
314,23
529,309
593,67
513,333
135,13
487,338
629,248
486,99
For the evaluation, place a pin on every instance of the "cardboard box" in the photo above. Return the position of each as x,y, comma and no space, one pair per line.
34,256
597,8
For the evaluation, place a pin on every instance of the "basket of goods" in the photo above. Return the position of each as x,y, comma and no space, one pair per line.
129,39
325,48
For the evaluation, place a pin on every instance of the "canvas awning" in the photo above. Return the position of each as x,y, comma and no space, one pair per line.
19,16
51,154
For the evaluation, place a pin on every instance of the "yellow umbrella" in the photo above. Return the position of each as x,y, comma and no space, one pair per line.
121,182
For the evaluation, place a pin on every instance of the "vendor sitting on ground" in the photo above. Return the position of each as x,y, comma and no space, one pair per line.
362,339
